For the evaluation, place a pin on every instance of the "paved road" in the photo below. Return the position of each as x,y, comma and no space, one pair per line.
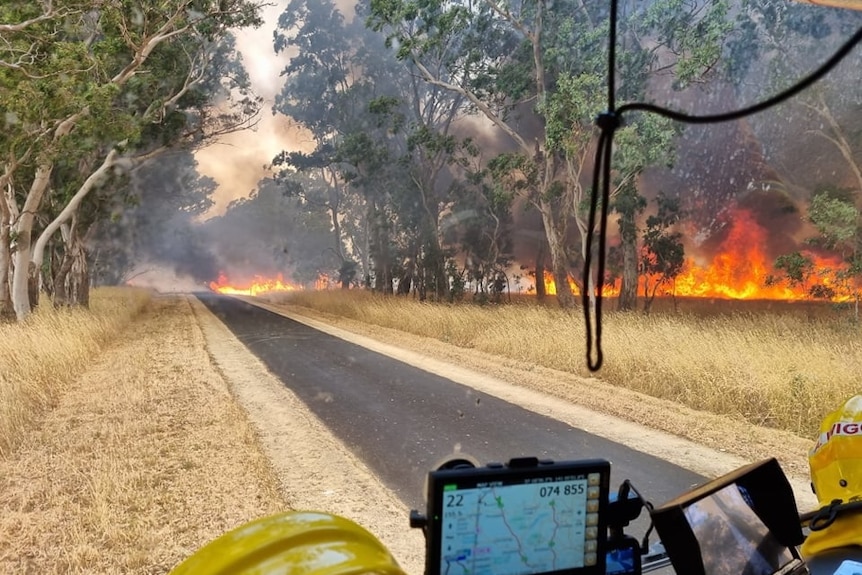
401,420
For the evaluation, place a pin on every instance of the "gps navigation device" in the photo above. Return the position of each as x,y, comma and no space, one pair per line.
526,517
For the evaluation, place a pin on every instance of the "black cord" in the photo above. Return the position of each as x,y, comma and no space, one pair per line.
608,122
806,82
822,518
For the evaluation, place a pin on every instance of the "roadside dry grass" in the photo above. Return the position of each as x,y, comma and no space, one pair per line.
142,459
776,370
38,359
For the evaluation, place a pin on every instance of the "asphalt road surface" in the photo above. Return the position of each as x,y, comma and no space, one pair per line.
402,421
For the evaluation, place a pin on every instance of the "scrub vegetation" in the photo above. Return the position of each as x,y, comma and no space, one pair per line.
773,364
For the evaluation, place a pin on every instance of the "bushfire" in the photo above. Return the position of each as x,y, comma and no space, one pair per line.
739,270
256,286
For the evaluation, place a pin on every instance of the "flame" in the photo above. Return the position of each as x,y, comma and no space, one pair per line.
740,269
551,287
258,285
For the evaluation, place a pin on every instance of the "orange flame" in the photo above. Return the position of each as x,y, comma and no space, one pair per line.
740,269
551,287
257,286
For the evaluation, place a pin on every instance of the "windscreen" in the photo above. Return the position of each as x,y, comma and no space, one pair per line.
732,538
522,526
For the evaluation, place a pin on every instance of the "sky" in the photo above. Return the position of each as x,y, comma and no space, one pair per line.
238,161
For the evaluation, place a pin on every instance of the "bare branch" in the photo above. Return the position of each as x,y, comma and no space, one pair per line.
48,14
507,16
482,106
72,206
201,60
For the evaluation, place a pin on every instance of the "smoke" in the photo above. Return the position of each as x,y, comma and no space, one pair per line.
749,165
239,160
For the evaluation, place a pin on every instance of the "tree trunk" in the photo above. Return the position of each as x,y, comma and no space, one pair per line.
71,208
628,240
7,312
559,259
441,285
25,275
591,283
78,286
380,250
540,273
34,279
61,292
72,280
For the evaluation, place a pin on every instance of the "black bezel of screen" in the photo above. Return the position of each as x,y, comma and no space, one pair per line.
470,478
772,500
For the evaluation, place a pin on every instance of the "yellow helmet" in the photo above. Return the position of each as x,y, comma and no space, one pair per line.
836,458
835,462
296,542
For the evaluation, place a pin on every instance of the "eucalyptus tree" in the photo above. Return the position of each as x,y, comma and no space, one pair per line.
325,93
482,216
663,254
106,83
775,45
199,92
535,70
342,85
495,59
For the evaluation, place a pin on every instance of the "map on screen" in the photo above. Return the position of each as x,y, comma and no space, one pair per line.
521,529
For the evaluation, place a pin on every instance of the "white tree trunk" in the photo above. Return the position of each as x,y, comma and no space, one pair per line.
24,229
5,258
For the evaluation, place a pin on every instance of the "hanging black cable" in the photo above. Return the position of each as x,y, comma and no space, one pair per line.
608,122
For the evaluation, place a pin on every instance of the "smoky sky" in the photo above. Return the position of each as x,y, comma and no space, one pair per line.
238,161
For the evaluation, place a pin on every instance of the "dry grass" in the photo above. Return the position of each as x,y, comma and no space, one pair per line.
39,358
142,459
768,366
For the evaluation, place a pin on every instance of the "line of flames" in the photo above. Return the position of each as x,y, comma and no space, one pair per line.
261,285
739,270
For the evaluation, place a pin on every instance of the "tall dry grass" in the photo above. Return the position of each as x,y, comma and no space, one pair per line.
770,365
42,355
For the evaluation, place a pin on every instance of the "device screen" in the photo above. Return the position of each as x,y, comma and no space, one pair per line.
732,538
623,559
532,525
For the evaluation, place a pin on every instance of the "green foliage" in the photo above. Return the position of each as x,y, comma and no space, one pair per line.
695,33
457,282
663,254
838,224
796,267
629,203
569,111
836,219
88,78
